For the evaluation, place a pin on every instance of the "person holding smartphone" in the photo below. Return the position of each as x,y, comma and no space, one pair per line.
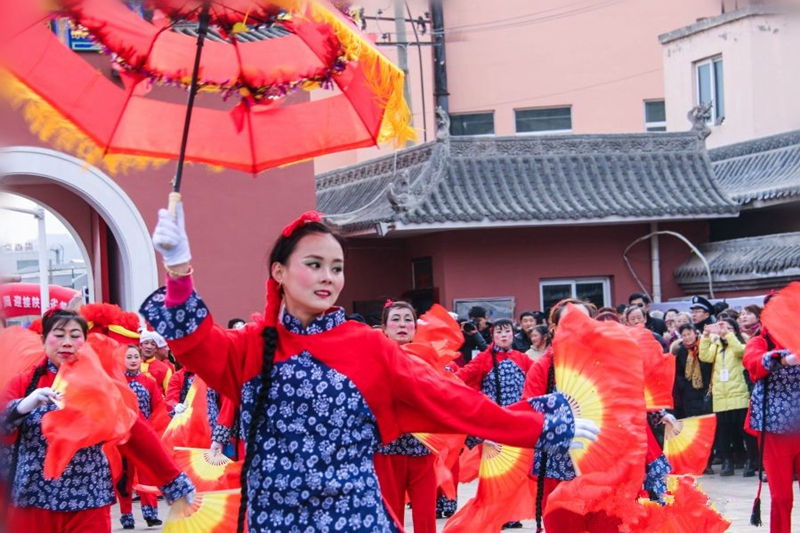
722,345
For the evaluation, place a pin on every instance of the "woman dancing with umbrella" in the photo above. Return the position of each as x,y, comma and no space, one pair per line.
319,393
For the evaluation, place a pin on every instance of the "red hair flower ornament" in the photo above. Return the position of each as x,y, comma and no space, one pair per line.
305,218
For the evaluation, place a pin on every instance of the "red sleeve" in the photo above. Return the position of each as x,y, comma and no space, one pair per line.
145,450
156,400
536,378
522,360
224,359
174,390
753,359
227,412
427,402
473,372
15,390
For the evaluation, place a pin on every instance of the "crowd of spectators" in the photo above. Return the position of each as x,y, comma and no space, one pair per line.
707,342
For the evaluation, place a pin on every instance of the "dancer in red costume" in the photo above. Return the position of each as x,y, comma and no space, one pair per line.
150,401
319,393
776,372
558,465
80,499
405,464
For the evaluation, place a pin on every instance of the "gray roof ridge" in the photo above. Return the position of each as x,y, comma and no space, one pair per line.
769,143
322,178
784,239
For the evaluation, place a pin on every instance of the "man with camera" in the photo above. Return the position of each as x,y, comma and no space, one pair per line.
477,335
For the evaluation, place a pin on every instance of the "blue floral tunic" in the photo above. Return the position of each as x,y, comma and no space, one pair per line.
312,468
86,482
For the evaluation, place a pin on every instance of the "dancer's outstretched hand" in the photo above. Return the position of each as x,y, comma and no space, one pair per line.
169,237
584,429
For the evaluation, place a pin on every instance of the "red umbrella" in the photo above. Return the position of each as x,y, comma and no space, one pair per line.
72,105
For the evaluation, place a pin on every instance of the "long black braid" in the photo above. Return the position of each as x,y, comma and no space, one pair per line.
498,392
551,387
12,474
270,336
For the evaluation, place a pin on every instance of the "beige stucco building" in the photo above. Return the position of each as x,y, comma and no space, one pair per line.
553,66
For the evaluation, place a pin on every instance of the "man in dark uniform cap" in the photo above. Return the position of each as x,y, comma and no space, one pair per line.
702,313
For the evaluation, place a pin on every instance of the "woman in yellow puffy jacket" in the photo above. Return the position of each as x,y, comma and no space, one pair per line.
723,346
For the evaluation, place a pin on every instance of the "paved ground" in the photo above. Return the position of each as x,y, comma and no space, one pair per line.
733,497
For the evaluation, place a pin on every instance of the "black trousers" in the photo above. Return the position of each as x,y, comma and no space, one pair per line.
731,435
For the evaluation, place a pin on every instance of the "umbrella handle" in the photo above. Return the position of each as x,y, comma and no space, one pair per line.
174,200
172,207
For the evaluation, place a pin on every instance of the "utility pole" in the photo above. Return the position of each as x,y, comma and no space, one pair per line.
402,50
440,90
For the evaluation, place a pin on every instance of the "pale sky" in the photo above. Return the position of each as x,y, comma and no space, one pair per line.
20,227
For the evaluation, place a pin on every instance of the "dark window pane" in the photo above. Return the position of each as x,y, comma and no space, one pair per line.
472,124
550,119
552,294
591,291
656,128
655,112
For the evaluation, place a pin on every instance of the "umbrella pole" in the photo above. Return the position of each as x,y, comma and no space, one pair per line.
202,31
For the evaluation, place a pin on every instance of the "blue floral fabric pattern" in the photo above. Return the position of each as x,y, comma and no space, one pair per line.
312,469
85,484
655,480
320,324
406,444
177,488
559,422
127,520
149,512
783,402
142,395
174,322
221,434
512,382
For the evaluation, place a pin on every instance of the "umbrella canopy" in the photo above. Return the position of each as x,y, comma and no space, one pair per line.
78,109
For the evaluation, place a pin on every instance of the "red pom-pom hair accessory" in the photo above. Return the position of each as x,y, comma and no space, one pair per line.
305,218
388,303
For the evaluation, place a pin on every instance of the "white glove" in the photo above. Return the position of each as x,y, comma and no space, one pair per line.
37,398
669,419
584,429
791,360
216,448
179,408
169,237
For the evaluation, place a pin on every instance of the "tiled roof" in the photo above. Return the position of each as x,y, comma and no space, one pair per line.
765,169
470,181
744,264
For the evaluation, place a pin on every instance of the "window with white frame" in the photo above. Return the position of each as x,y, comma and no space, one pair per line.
711,87
472,124
655,115
595,290
544,120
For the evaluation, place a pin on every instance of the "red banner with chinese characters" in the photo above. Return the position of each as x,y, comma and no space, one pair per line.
22,299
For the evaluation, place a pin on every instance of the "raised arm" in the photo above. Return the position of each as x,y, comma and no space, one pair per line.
221,358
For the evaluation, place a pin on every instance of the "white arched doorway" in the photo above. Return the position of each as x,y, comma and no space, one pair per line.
138,274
